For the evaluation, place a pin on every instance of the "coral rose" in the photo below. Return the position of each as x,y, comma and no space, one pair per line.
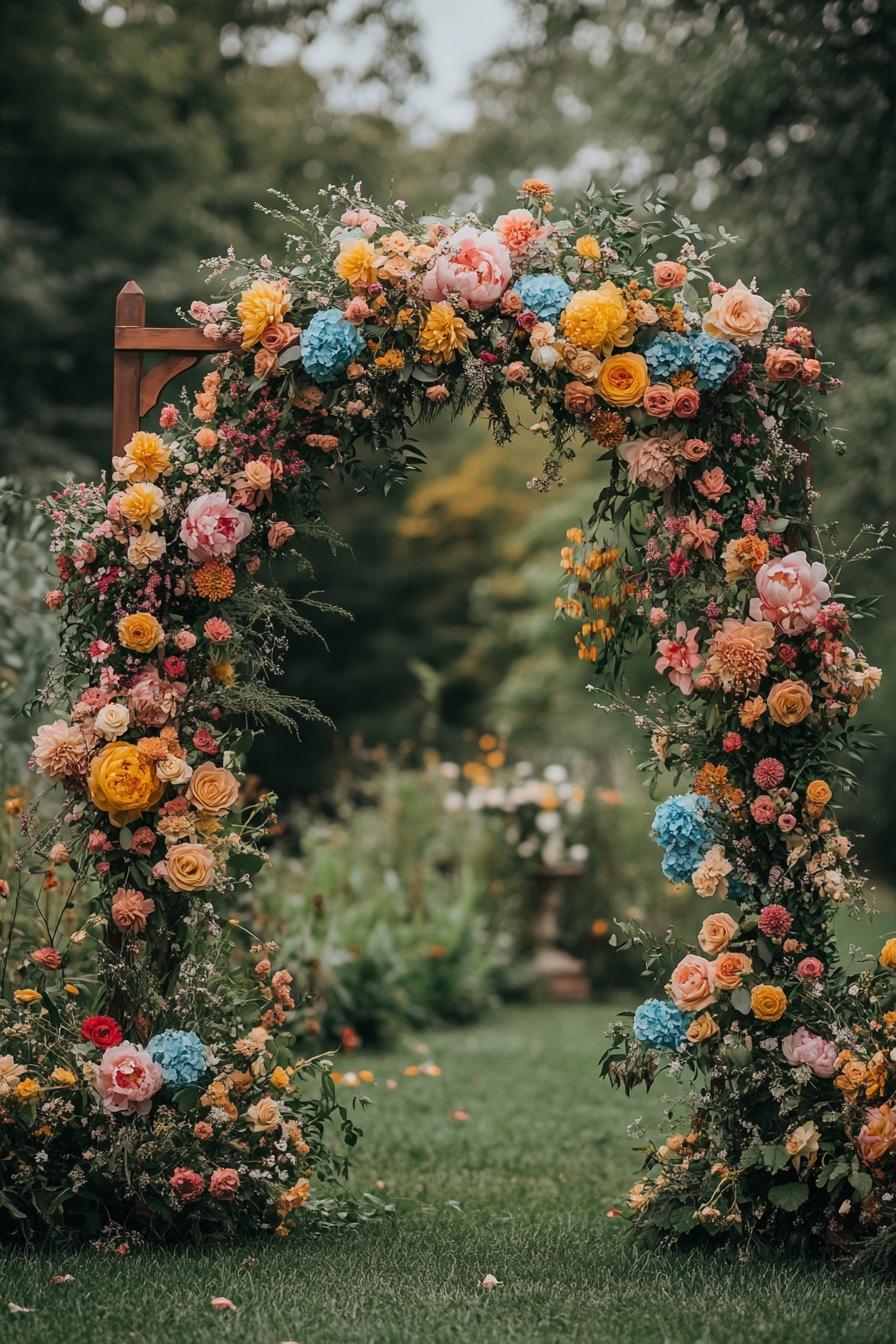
738,315
212,789
716,933
791,592
810,968
579,398
783,364
263,1116
789,702
189,867
224,1183
187,1184
669,274
123,783
471,266
687,402
768,1002
140,632
279,335
728,970
279,534
690,987
623,379
659,400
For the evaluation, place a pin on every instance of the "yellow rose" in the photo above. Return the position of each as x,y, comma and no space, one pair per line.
818,795
888,954
260,306
264,1116
142,504
279,1078
588,247
768,1002
189,867
789,702
213,789
140,632
27,1088
623,379
702,1028
123,783
26,996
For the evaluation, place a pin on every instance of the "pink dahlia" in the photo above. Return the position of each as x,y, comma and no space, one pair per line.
127,1078
791,592
60,750
679,657
212,528
471,266
768,772
775,921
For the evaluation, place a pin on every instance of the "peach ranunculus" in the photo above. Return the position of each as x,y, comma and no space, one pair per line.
130,909
212,529
212,789
728,970
783,364
669,274
739,653
60,749
189,867
123,783
791,592
738,315
472,266
140,632
623,379
690,987
518,230
127,1078
716,933
789,702
659,400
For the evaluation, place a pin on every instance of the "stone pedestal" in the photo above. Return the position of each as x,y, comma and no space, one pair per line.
558,976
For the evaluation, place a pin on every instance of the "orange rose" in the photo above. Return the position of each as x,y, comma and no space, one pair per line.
702,1028
768,1002
669,274
213,789
818,795
728,970
623,379
123,783
189,867
694,450
783,364
579,398
789,702
716,933
140,632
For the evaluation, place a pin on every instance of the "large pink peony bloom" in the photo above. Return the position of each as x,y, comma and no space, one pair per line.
472,266
127,1078
679,657
804,1047
791,592
212,528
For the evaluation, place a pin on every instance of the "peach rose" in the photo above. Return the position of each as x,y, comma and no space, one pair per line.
579,398
279,335
265,363
130,909
515,372
659,400
810,371
212,789
669,274
716,933
782,364
690,987
279,534
728,970
687,402
263,1116
789,702
738,315
189,867
694,450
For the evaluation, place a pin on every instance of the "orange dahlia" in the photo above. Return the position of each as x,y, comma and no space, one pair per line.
214,580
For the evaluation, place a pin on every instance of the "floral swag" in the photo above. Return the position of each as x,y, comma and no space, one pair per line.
146,1078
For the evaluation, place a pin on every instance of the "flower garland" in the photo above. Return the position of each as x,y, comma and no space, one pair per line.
172,1105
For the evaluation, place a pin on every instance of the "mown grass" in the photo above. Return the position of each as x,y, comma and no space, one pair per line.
519,1190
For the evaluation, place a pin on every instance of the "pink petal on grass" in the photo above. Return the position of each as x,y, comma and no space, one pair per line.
222,1304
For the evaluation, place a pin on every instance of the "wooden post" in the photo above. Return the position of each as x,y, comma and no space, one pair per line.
134,393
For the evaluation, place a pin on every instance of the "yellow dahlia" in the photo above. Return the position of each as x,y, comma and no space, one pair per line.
260,306
142,504
592,315
444,334
145,458
357,262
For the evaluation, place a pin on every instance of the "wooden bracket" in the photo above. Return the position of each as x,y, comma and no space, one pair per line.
135,393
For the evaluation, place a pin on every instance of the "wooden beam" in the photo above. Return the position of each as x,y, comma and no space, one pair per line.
130,312
130,336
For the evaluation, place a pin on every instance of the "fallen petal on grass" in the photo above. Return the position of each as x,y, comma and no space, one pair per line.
490,1282
63,1278
223,1304
460,1115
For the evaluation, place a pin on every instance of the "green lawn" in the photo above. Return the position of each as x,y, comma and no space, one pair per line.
519,1190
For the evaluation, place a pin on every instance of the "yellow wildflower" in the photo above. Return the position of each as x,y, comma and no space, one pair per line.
26,996
27,1088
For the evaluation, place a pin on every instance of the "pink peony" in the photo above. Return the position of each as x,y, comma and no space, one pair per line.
810,968
471,266
127,1078
224,1183
791,592
804,1047
187,1184
212,528
679,657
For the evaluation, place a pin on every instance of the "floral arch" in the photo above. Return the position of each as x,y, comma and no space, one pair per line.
157,1092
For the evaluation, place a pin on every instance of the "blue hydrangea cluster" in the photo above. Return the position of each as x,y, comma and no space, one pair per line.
683,830
713,361
667,354
544,295
329,344
660,1024
181,1056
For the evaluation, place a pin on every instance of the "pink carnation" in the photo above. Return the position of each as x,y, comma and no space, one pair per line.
54,598
804,1047
154,701
470,265
679,657
212,528
763,810
185,640
791,592
168,416
216,630
127,1078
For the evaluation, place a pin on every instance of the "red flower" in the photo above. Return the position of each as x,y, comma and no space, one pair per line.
204,742
101,1031
350,1038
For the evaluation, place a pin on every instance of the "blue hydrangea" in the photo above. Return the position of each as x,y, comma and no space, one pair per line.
544,295
683,830
667,353
181,1056
329,344
660,1024
713,361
